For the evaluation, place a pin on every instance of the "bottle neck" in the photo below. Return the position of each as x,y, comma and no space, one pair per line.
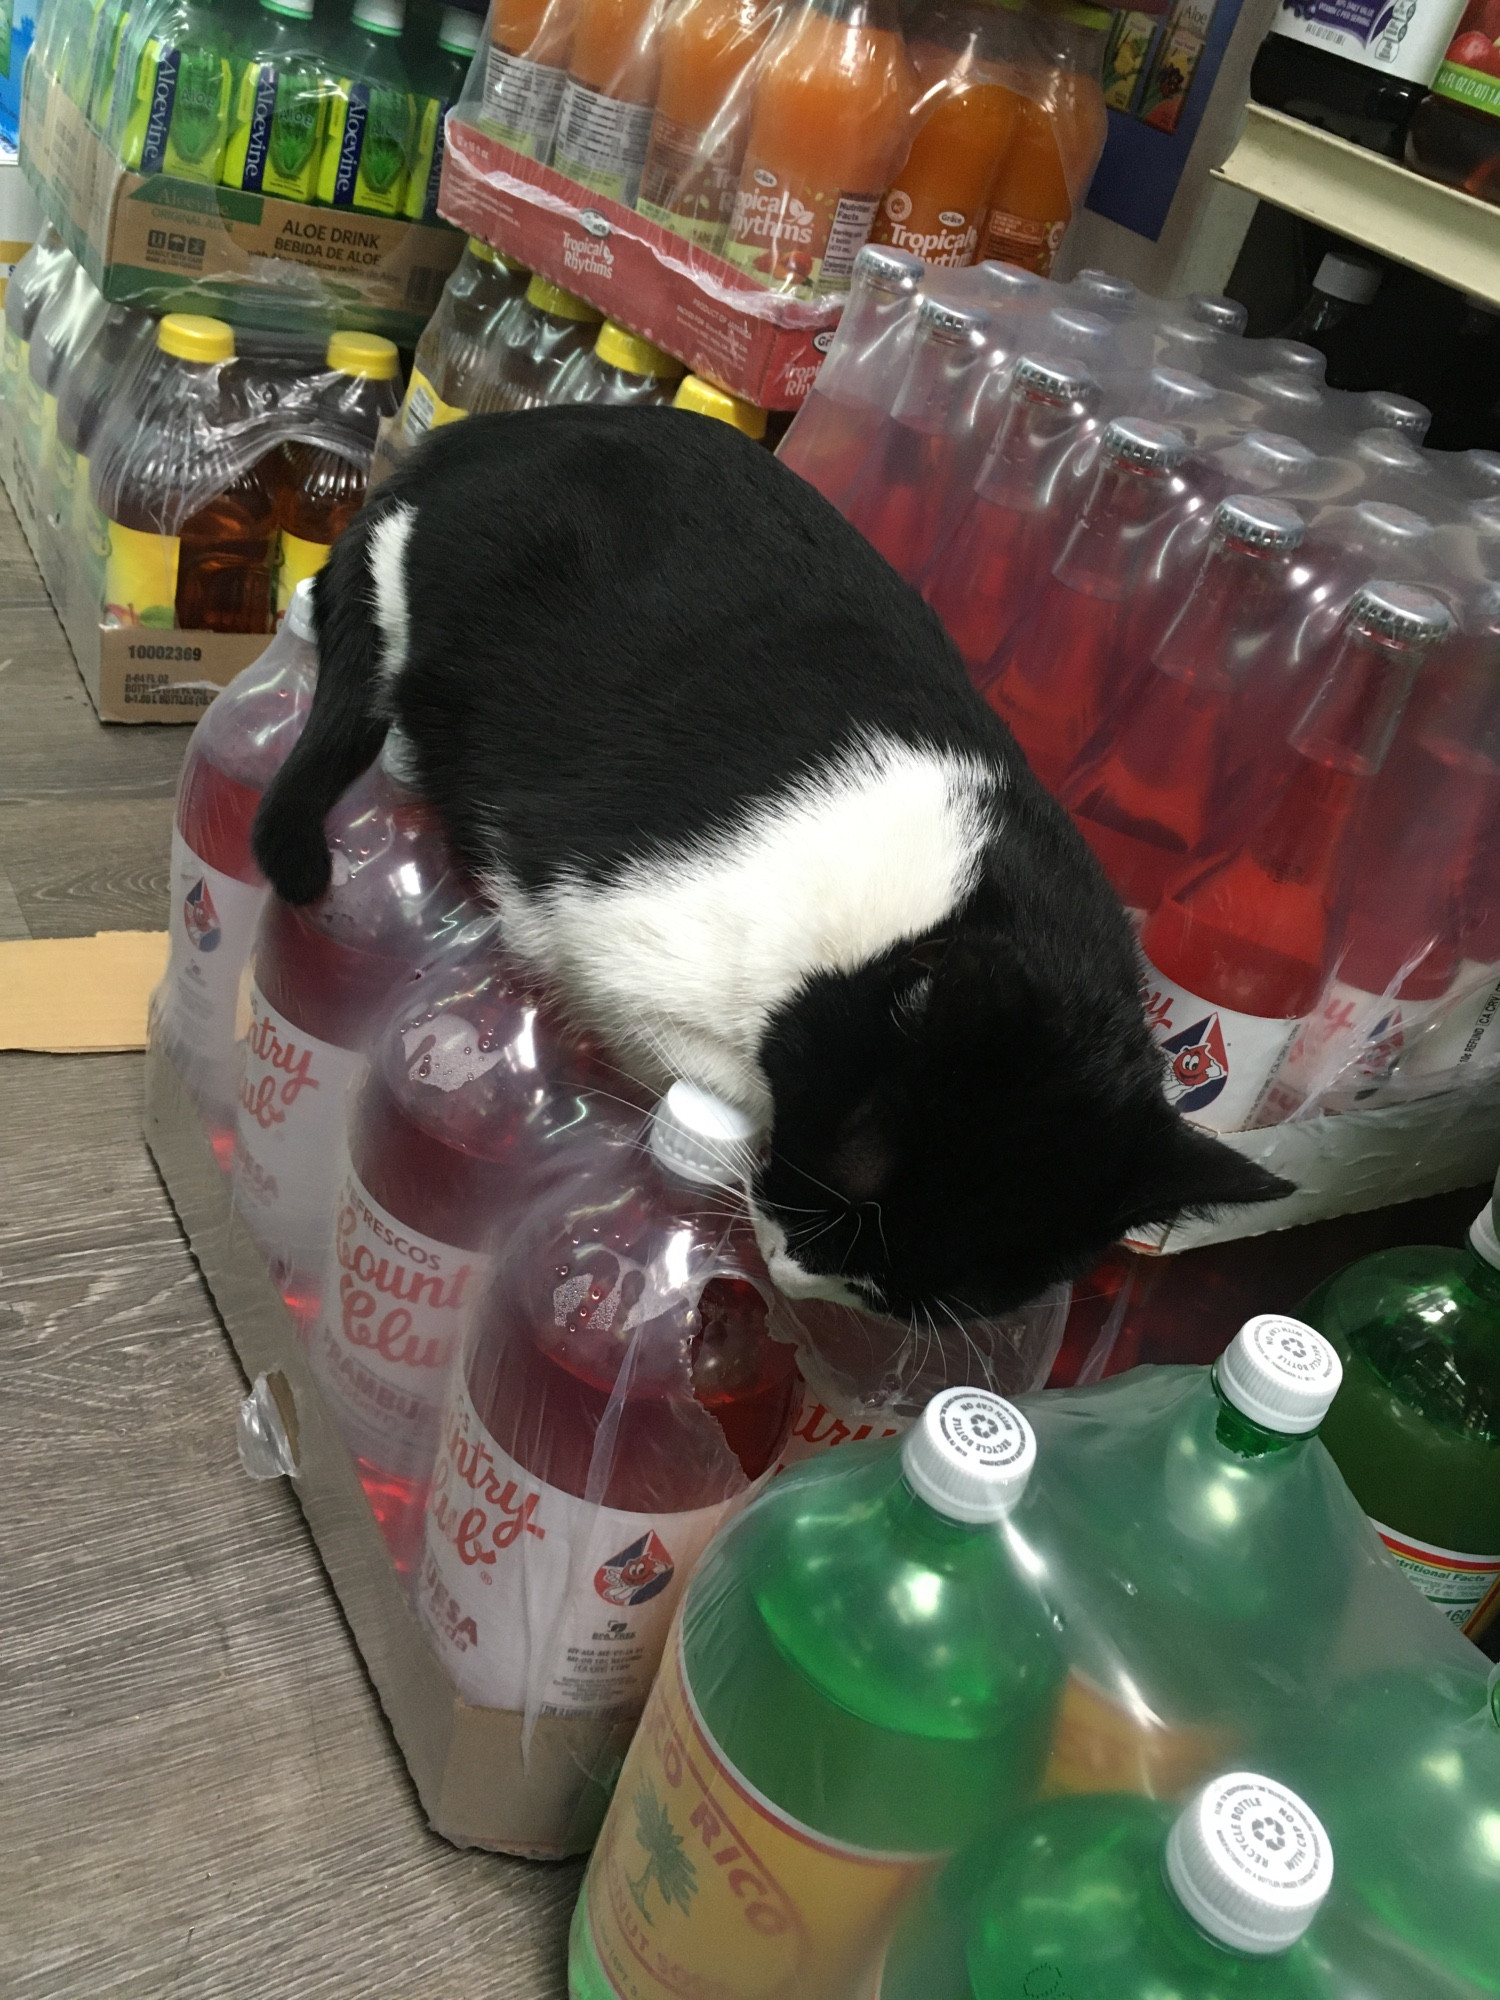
915,1522
1102,552
1216,634
1246,1438
1349,723
1478,1274
932,396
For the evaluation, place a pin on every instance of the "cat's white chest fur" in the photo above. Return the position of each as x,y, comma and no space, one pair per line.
684,957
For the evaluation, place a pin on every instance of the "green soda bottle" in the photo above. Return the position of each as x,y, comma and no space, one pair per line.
1416,1426
1200,1524
439,73
176,85
1131,1899
281,107
861,1682
367,155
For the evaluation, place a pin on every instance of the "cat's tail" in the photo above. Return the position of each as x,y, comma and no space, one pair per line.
350,713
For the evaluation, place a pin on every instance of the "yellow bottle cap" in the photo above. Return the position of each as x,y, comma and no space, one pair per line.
550,298
617,347
696,394
195,337
488,254
365,355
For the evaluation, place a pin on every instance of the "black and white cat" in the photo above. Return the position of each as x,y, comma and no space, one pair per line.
724,776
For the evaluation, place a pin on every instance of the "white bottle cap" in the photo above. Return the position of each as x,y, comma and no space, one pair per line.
698,1138
459,30
299,613
1349,278
969,1455
385,17
1280,1373
1482,1238
1250,1863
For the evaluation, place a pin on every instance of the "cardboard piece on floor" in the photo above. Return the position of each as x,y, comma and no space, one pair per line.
79,996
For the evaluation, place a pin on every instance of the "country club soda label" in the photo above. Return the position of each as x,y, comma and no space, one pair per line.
1220,1064
290,1126
394,1304
1453,1581
531,1591
823,1425
211,923
701,1886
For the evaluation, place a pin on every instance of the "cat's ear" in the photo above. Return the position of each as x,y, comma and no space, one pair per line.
864,1153
1184,1171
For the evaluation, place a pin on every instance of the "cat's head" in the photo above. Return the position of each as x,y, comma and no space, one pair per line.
961,1123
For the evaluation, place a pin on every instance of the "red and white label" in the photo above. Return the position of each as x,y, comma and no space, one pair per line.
535,1597
1455,1582
1220,1064
394,1306
290,1135
211,921
824,1425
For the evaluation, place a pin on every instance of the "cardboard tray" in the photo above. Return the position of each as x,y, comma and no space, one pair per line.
477,1787
174,245
695,305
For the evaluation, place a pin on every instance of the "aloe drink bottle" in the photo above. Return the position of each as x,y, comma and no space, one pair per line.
368,153
173,89
861,1682
1415,1429
438,73
282,105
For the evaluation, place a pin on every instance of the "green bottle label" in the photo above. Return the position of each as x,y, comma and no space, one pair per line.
278,130
1468,86
367,154
179,123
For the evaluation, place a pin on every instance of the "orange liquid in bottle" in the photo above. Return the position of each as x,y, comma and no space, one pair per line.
604,124
702,115
224,567
525,71
831,112
1060,133
968,118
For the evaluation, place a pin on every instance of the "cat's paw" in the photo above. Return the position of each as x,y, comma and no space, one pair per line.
299,869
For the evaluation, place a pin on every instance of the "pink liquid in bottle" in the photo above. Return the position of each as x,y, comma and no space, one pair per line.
622,1392
216,889
448,1135
1239,949
324,977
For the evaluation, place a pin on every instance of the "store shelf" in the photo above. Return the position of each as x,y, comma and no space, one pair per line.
1369,200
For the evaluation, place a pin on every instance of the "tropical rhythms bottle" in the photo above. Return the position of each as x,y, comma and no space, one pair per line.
526,67
702,115
1060,131
861,1681
604,120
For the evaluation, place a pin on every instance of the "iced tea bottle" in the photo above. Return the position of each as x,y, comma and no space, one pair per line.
621,370
217,891
604,120
832,105
31,284
702,118
965,58
526,66
64,327
282,103
174,89
439,72
102,367
175,556
620,1392
483,285
524,354
320,488
370,147
708,400
1241,945
1060,132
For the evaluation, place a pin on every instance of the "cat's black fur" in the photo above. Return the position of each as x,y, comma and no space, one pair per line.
625,632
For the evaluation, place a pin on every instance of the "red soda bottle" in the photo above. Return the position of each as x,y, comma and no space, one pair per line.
976,580
216,889
621,1392
1238,951
447,1133
898,496
834,429
1048,680
1143,797
323,978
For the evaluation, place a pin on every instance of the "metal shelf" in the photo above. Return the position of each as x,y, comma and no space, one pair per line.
1369,200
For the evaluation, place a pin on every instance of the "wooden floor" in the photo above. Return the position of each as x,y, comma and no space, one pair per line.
198,1794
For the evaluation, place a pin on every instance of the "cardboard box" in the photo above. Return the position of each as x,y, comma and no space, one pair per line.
477,1785
695,305
19,219
175,245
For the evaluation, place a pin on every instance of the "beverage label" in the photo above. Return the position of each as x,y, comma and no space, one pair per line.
701,1885
1358,1041
427,167
296,561
140,577
1098,1745
527,1589
12,352
180,119
796,238
1406,40
1465,1030
368,150
65,481
819,1428
685,189
1176,65
424,409
211,921
601,142
1017,239
278,132
1220,1064
1125,57
1457,1583
289,1134
944,236
521,102
394,1304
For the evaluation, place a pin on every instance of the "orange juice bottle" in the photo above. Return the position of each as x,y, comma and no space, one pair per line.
1059,137
702,114
526,67
604,125
966,60
829,126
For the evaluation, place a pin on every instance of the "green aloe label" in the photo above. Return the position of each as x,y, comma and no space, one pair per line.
387,136
297,124
199,108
